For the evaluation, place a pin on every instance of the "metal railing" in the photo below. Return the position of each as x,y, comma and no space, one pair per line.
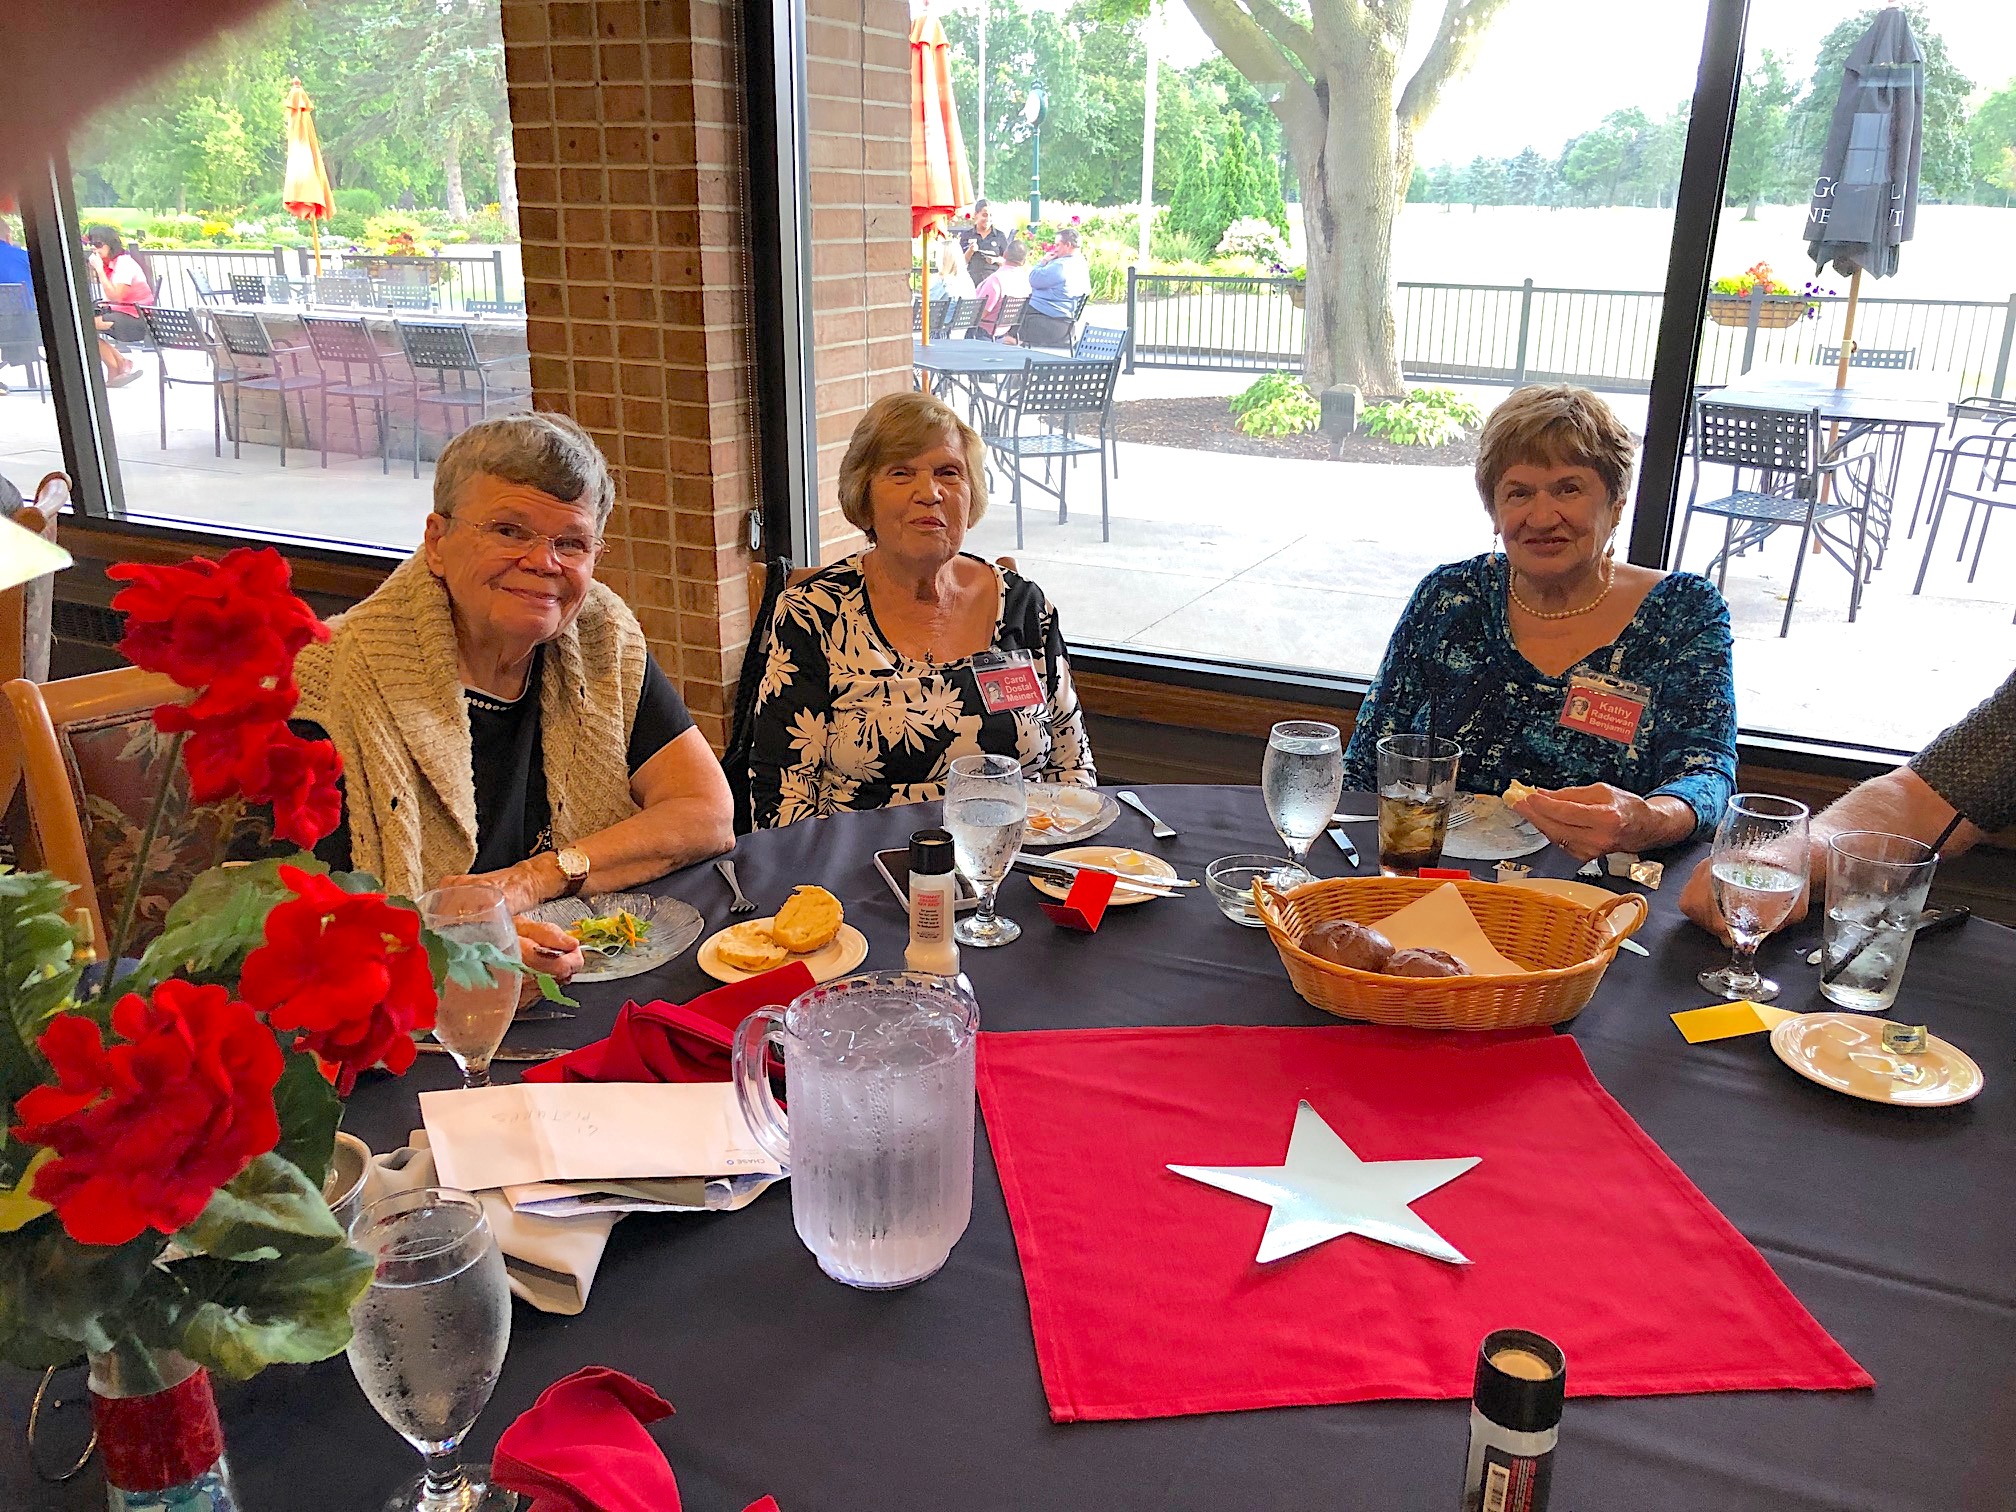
1604,339
456,277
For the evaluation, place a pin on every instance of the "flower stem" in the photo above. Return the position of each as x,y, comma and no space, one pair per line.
130,904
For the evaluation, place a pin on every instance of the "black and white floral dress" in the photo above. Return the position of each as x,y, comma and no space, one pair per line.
846,721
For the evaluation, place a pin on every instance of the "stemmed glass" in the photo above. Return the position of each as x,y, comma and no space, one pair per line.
985,806
470,1021
1300,779
1759,868
428,1338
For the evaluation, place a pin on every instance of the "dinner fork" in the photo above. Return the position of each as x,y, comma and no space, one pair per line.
1163,830
741,905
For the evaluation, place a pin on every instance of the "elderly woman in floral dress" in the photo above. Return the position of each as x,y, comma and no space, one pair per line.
886,667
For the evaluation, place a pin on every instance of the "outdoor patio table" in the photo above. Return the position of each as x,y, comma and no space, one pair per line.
1893,1227
970,358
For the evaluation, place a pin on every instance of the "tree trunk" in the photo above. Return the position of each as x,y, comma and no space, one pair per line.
451,168
1750,210
507,177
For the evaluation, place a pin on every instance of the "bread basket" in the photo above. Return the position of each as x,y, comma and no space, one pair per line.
1570,947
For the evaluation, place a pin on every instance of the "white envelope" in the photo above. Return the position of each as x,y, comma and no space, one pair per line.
588,1131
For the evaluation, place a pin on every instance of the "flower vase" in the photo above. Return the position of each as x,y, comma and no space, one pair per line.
159,1441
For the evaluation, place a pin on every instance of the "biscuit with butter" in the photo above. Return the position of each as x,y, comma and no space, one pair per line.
749,947
1515,790
808,921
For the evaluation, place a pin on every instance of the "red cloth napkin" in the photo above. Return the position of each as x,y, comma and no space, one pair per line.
676,1042
582,1448
1145,1297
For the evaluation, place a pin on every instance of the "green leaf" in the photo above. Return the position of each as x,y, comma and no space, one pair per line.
309,1112
549,989
213,926
292,1311
269,1208
59,1298
470,963
38,973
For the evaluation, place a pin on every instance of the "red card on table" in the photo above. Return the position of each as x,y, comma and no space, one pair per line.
1085,904
1146,1299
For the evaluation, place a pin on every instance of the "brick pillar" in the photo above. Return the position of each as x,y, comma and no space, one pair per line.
858,83
624,116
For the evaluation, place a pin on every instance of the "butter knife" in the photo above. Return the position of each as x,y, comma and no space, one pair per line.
1064,871
1344,844
428,1047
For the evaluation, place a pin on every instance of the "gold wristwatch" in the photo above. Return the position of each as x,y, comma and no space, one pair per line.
574,865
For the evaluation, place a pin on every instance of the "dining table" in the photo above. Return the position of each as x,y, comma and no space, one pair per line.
1893,1226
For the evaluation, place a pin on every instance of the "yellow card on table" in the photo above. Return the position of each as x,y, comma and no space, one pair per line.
1727,1020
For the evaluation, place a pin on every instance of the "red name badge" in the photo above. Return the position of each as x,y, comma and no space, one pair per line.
1604,708
1008,684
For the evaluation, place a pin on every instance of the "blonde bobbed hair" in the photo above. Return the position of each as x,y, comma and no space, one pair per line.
896,428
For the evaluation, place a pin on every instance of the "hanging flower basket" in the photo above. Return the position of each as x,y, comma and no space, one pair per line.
1298,294
1774,313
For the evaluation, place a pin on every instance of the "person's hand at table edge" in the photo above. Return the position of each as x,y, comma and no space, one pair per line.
548,948
1597,819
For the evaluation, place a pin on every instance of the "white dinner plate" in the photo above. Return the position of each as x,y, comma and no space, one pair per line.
1075,813
1844,1052
674,926
842,954
1492,832
1115,857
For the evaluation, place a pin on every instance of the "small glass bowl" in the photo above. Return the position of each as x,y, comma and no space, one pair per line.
1230,880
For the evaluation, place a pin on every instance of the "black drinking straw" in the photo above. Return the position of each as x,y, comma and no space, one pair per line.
1868,939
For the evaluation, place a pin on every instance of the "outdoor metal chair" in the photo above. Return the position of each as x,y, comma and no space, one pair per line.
21,335
207,292
960,317
257,364
344,289
495,306
1890,359
443,348
247,288
1007,317
345,342
1780,449
1051,392
1981,414
1105,344
409,293
940,309
1993,487
172,330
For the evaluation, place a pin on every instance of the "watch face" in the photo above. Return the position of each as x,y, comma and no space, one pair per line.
573,863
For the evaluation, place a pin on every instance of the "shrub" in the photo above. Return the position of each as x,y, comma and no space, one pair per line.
1426,417
269,205
363,203
1450,403
1108,263
1168,245
1252,238
488,225
347,224
1278,404
398,234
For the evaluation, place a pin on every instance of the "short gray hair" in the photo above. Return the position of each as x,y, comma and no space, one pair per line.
538,450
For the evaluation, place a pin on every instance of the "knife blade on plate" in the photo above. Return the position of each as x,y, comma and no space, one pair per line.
540,1015
1049,866
1344,844
428,1047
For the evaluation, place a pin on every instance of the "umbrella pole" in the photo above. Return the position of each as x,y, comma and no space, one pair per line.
315,235
925,307
1841,381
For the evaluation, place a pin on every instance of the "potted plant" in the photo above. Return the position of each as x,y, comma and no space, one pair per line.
1729,299
164,1141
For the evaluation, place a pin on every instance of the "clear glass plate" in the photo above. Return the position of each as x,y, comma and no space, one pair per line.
674,926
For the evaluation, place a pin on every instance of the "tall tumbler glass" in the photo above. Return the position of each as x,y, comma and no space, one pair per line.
1417,787
470,1021
1300,779
429,1338
1758,869
1876,886
985,806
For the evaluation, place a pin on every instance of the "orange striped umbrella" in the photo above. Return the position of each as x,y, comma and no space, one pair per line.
305,190
939,182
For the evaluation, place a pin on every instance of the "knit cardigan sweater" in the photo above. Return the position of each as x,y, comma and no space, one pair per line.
385,688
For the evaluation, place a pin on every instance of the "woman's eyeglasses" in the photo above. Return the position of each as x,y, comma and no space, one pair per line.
508,538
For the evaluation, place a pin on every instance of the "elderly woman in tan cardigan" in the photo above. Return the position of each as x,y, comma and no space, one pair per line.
498,715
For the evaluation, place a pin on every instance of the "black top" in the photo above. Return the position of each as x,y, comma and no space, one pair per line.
1972,764
972,243
513,816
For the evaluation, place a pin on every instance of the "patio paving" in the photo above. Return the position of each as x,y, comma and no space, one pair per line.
1253,560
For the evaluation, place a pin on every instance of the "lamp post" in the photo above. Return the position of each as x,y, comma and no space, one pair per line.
1032,112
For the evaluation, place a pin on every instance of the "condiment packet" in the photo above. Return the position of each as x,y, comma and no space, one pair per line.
1648,873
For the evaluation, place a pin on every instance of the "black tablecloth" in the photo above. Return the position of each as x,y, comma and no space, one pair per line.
1894,1228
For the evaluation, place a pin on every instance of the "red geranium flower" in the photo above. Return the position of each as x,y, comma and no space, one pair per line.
346,972
202,622
301,785
146,1131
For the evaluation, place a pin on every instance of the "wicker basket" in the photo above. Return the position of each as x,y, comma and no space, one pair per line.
1570,945
1774,312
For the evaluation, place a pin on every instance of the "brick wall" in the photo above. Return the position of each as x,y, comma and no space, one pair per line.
858,83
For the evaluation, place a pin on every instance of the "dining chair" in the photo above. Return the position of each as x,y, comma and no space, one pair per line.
92,762
1007,316
1780,450
961,317
346,342
1991,458
248,288
257,363
1889,359
21,335
207,292
495,306
1980,414
409,294
344,289
443,348
25,612
173,330
1051,393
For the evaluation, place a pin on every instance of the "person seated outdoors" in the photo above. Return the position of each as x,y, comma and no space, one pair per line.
1607,685
878,673
498,715
1968,770
1009,281
14,270
949,280
984,243
1055,286
122,290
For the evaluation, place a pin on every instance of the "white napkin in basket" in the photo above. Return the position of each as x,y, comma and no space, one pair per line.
1441,920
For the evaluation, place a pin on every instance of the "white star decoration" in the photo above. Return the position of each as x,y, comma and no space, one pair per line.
1323,1190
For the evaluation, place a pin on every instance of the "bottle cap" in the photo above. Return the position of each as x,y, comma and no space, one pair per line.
931,852
1522,1378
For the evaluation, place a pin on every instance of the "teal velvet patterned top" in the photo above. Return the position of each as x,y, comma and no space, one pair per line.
1453,644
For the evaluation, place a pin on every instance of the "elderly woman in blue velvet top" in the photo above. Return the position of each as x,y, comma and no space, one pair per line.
1605,686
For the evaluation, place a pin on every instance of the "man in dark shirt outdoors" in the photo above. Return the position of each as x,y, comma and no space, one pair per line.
984,244
1969,769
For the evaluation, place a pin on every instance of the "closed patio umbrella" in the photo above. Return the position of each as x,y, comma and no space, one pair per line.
1865,197
305,190
939,182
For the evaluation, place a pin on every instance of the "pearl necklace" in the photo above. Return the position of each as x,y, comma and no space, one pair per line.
1609,577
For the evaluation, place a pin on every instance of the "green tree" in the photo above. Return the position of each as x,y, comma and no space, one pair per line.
1946,170
1484,182
1199,208
1526,178
1991,138
1763,120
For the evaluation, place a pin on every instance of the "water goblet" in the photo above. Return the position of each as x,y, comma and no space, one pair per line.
428,1338
1758,869
1300,778
985,806
470,1022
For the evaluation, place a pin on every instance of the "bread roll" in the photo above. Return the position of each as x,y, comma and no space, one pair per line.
1425,962
808,921
1343,943
748,947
